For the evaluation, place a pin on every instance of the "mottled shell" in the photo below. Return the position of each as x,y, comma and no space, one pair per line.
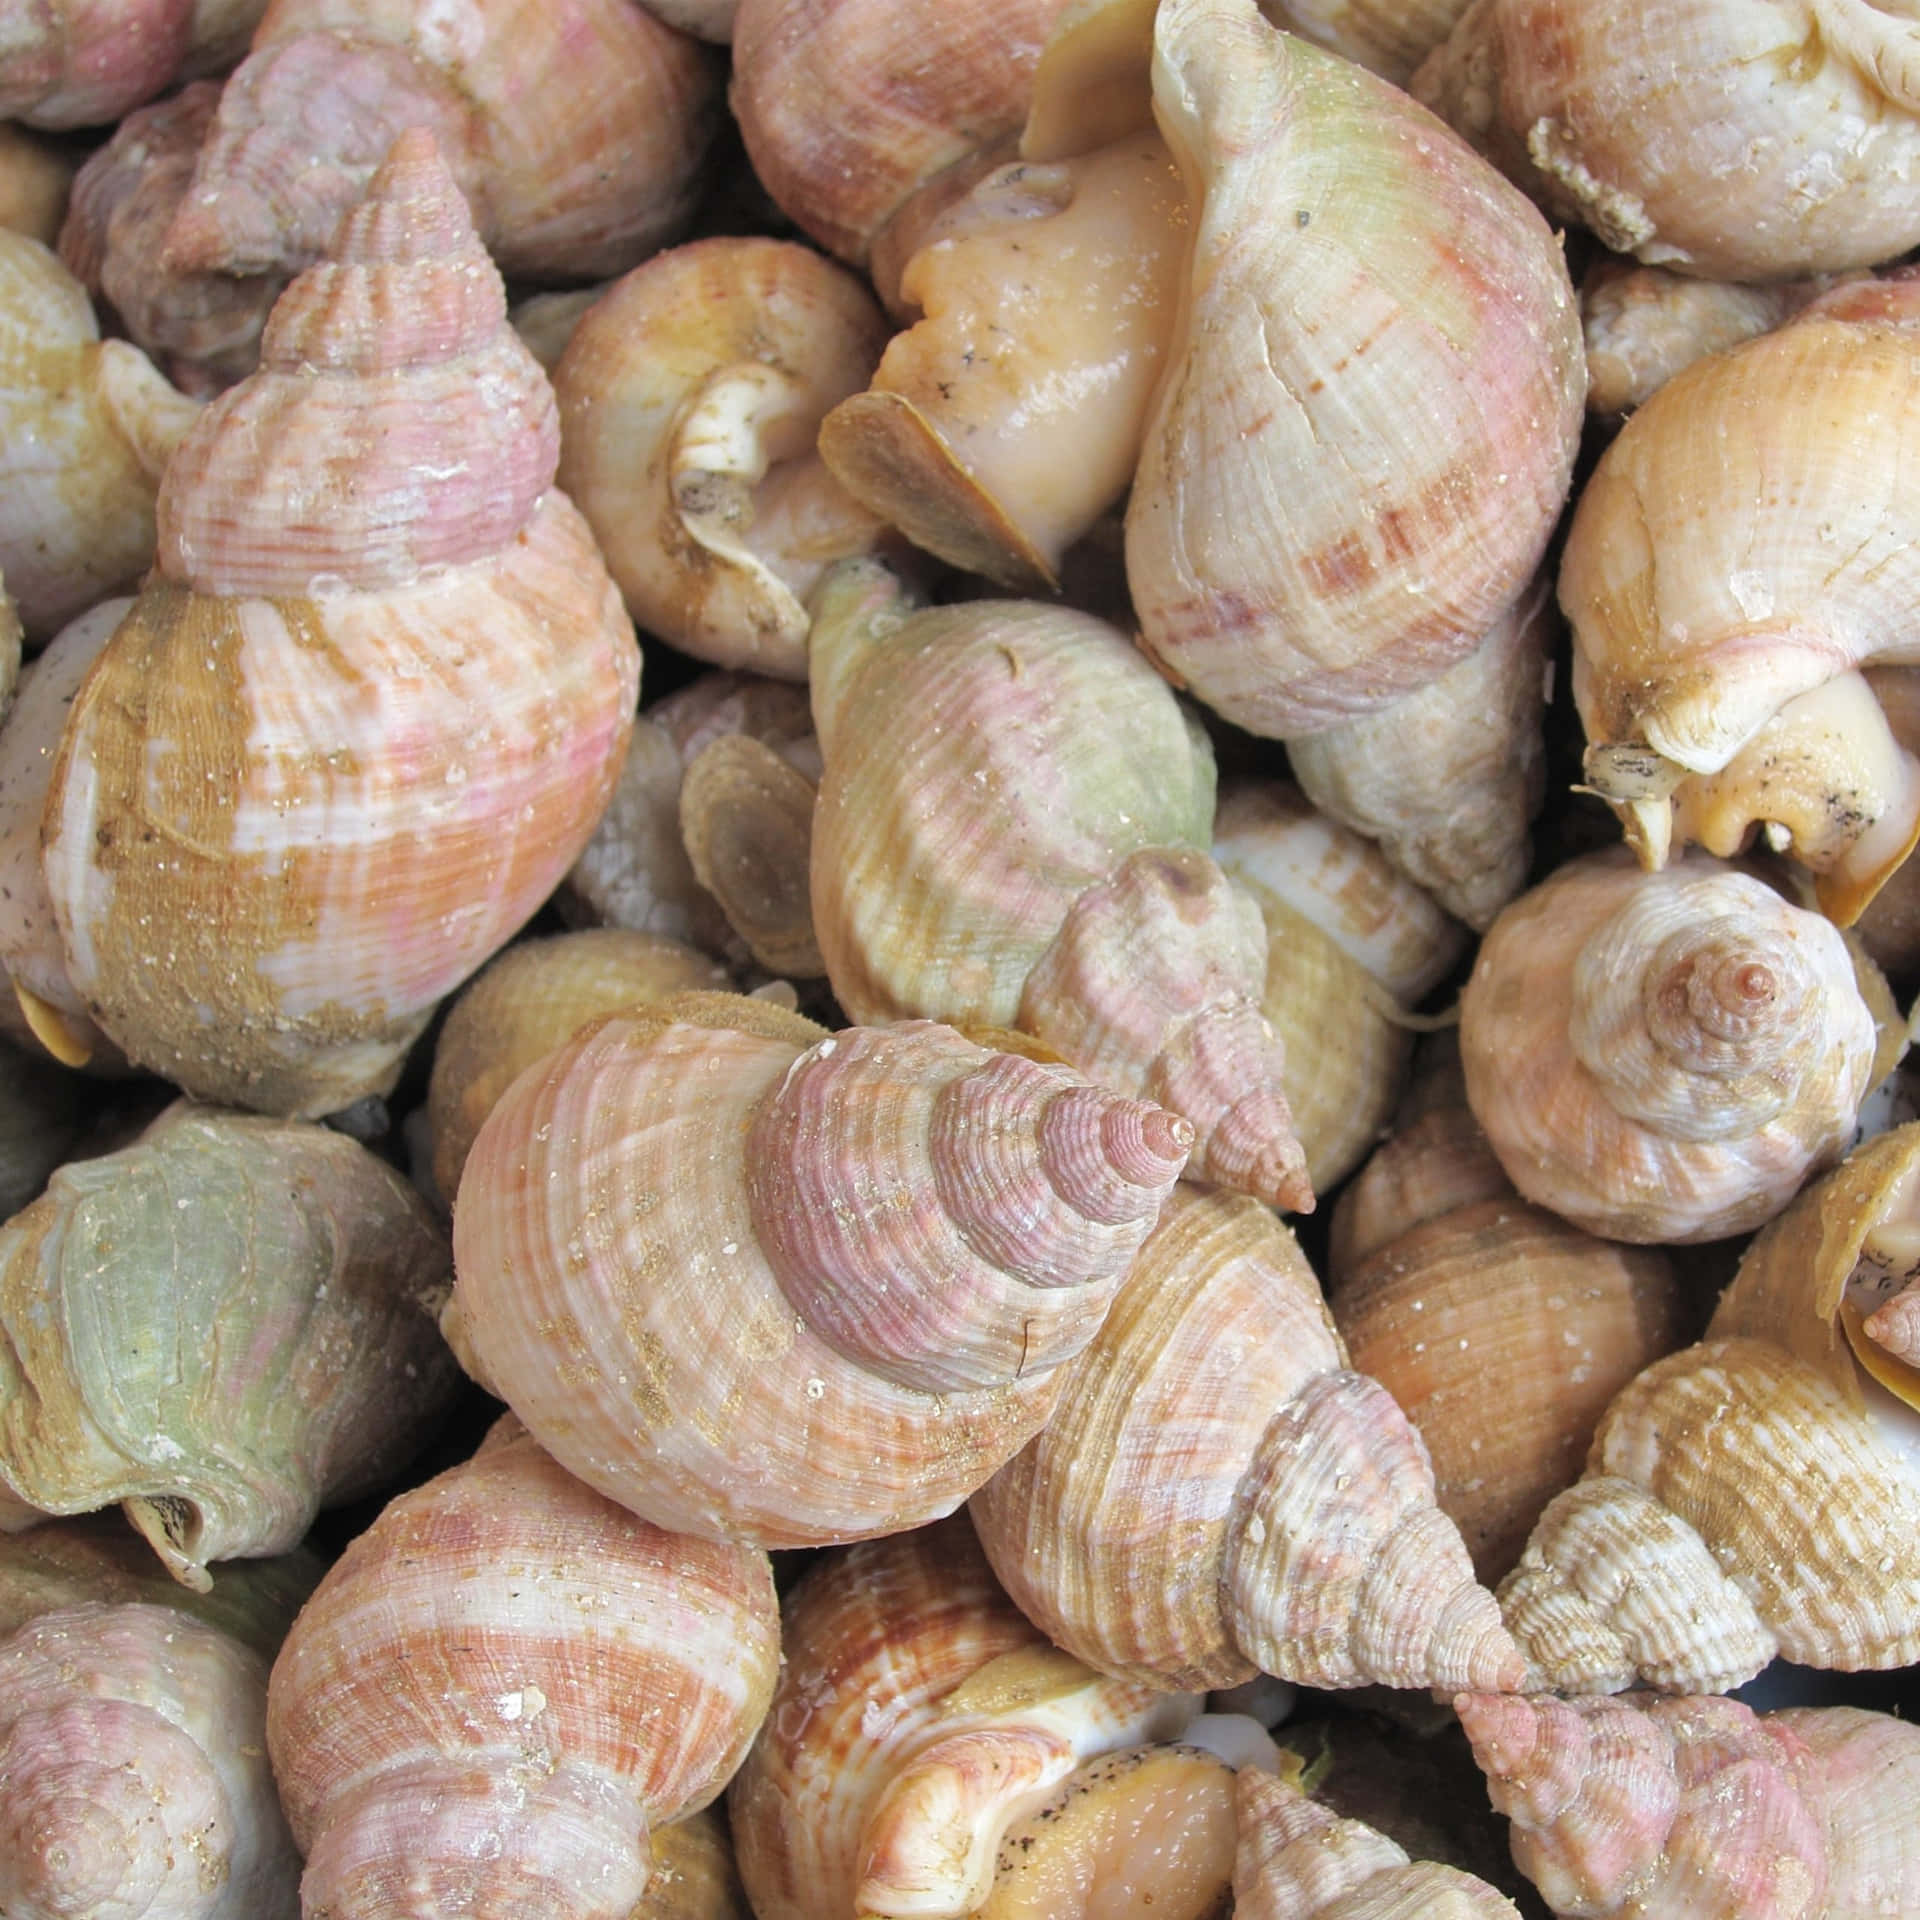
1753,1495
918,1716
1723,602
848,106
1351,946
320,1268
87,426
690,396
267,870
133,1772
758,1282
1448,778
575,129
1502,1331
1218,1492
1737,140
502,1685
529,1001
1664,1057
1701,1809
1298,1861
1370,414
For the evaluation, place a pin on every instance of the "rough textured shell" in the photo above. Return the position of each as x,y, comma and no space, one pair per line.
501,1685
1701,1809
319,1265
1805,163
266,874
762,1283
1751,1495
918,1714
1664,1057
1217,1491
847,106
690,395
133,1756
1362,442
575,129
1722,606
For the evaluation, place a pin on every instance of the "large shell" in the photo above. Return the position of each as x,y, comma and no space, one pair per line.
1369,418
134,1766
502,1685
1755,1494
1502,1331
918,1715
690,395
1217,1490
574,127
1665,1057
1741,139
1723,603
87,426
848,106
1701,1809
372,703
319,1268
1009,833
759,1282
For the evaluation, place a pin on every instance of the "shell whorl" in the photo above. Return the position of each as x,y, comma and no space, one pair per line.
1036,1184
396,425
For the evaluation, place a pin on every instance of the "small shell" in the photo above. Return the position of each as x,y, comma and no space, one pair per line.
1805,162
1351,945
575,129
1665,1057
1474,1302
1723,605
87,426
267,874
848,106
1362,442
690,396
501,1686
133,1752
35,178
320,1267
1755,1494
1449,777
919,1715
1701,1809
530,1000
1217,1491
1297,1861
763,1283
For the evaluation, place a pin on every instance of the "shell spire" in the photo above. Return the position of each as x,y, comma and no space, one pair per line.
392,367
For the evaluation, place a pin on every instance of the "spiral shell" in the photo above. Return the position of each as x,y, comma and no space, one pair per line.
1752,1495
1702,1809
1370,414
1218,1492
319,1266
759,1282
267,871
1665,1056
1724,605
918,1715
133,1755
575,129
502,1685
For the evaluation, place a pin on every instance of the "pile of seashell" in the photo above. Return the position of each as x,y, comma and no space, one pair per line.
1250,611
